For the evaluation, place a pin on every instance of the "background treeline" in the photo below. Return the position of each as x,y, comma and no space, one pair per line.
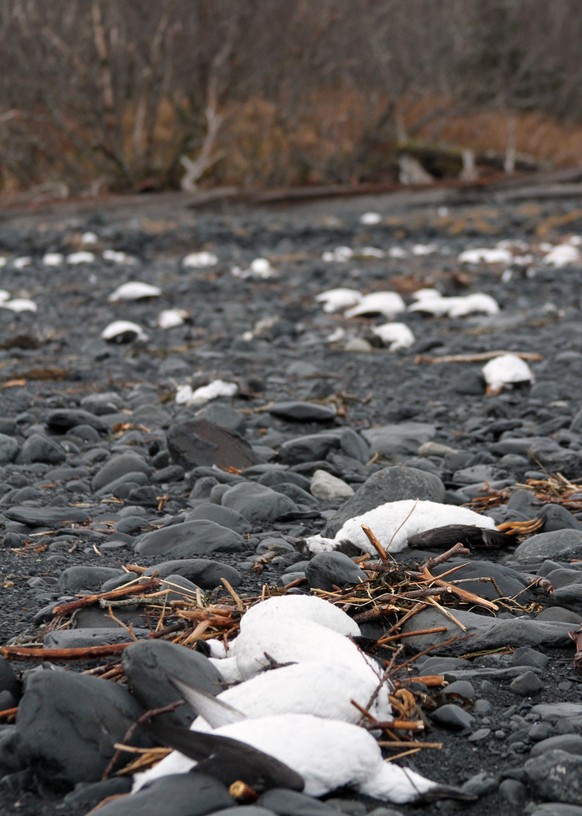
148,94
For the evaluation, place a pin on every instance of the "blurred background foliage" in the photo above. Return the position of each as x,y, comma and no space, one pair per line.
142,95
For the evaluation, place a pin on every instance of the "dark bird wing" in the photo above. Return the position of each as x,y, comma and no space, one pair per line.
442,538
214,711
227,759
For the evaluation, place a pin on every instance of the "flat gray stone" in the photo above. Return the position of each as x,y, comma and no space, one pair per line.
119,466
556,776
63,737
401,439
298,411
190,538
47,516
326,487
203,572
9,447
186,794
329,569
147,665
257,503
39,448
559,545
200,442
484,632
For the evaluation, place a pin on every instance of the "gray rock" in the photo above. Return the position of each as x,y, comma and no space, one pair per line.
453,717
39,448
225,516
388,484
571,743
561,544
316,447
119,466
524,656
203,572
107,402
123,485
526,684
460,688
66,740
483,632
187,794
329,569
291,803
556,776
481,784
47,516
77,579
401,439
555,711
180,588
568,597
86,797
147,665
8,681
82,638
557,517
556,809
63,419
297,411
189,539
514,792
223,415
9,447
558,613
200,442
257,503
326,487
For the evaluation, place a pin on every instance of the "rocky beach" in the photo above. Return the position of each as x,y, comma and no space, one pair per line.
190,397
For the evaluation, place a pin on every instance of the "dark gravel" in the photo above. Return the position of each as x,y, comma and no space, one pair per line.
96,454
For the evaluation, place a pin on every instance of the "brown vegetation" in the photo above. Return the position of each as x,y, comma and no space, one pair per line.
151,94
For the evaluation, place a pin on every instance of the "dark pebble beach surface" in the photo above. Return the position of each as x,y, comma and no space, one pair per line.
110,455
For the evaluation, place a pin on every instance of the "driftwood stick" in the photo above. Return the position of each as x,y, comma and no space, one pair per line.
146,717
120,592
74,653
374,542
477,357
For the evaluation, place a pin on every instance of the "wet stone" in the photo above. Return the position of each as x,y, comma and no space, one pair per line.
200,442
39,448
190,794
328,570
203,572
257,503
188,539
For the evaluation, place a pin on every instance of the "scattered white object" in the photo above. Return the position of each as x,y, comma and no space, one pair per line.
120,329
299,607
442,212
492,255
562,255
76,258
388,304
478,303
302,688
259,268
336,335
432,302
394,335
325,486
397,252
134,290
19,305
328,754
507,369
289,641
372,252
171,318
312,687
370,218
4,295
22,262
198,260
395,522
185,395
89,238
3,261
341,254
53,259
335,300
117,257
424,249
